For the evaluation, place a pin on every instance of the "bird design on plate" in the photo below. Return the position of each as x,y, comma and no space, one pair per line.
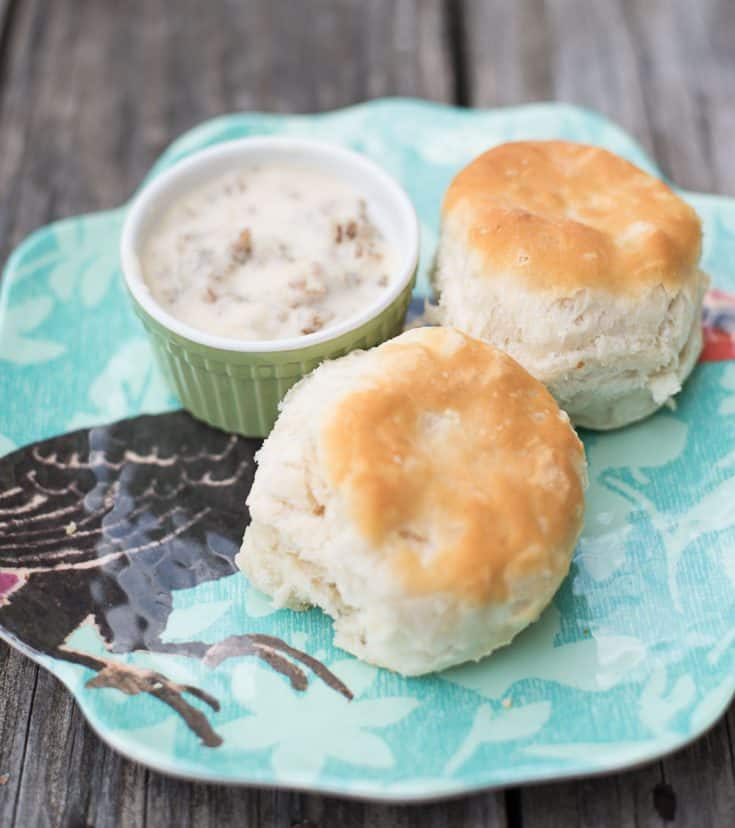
102,525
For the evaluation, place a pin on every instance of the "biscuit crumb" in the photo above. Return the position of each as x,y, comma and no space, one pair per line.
507,702
70,528
4,777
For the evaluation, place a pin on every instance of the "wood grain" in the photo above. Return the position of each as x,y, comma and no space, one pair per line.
92,91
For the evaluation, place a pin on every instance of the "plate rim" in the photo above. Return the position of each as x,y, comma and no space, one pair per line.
407,796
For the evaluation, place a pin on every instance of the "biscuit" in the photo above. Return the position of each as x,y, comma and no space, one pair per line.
582,267
427,494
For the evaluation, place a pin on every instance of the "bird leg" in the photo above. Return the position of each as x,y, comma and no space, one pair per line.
273,651
132,680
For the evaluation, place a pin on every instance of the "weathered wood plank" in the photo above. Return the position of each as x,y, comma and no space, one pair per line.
19,678
7,7
620,801
4,10
507,52
665,71
661,69
700,780
685,54
7,11
567,50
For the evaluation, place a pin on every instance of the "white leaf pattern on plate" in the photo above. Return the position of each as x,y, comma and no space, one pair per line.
503,726
17,342
311,727
130,380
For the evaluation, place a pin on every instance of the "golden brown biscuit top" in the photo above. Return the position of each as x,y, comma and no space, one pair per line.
459,464
564,216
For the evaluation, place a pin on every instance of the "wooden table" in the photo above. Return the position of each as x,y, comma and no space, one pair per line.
91,91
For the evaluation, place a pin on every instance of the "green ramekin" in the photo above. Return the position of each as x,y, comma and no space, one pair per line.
236,385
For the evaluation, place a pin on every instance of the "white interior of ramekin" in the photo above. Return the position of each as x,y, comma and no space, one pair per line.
388,206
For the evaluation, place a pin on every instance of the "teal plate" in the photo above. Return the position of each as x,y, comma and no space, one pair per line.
634,658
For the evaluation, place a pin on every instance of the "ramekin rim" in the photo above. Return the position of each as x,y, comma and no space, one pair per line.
135,221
